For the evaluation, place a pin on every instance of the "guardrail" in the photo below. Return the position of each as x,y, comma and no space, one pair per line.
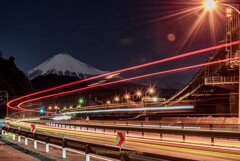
124,154
205,125
183,131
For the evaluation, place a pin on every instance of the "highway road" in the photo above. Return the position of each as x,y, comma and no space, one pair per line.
169,146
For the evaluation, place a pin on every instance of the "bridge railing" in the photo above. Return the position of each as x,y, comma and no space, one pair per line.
221,80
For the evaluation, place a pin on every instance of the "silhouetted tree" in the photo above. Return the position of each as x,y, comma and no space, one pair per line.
12,79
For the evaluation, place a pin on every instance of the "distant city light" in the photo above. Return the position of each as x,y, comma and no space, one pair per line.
108,102
155,99
41,110
55,107
50,107
81,101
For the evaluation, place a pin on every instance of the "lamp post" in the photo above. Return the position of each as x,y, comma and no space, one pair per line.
210,5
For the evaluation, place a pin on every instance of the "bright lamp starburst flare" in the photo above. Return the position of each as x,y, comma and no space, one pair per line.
209,4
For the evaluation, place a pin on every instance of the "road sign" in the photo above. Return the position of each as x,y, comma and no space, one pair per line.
120,139
33,128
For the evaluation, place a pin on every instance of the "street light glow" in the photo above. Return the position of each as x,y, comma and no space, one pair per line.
138,93
116,98
81,101
127,96
209,5
151,90
41,110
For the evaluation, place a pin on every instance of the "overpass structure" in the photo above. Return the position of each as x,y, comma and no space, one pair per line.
214,89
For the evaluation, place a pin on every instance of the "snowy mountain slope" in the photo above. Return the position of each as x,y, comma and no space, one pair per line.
63,64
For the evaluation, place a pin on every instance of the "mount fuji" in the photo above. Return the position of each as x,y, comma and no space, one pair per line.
64,65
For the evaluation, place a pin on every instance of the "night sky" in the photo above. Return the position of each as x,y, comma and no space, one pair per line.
107,34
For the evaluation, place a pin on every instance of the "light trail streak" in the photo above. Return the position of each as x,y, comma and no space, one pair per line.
138,141
128,79
123,70
133,109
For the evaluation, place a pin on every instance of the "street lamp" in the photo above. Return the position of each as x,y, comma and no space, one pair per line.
126,96
138,93
207,5
116,99
56,107
151,90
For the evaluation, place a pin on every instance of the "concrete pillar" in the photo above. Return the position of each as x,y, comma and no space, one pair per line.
87,153
64,150
47,145
14,137
35,144
47,148
64,153
19,138
26,141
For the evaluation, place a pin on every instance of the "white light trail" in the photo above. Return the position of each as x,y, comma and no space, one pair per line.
133,109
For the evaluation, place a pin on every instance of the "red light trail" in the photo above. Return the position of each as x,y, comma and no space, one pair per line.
124,80
124,70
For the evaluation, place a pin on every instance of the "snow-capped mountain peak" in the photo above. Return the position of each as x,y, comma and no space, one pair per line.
64,64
